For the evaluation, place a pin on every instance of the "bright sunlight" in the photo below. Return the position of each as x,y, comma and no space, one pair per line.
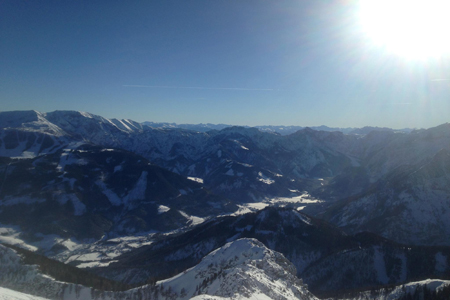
414,29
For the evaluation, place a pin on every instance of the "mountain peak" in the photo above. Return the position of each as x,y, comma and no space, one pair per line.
244,266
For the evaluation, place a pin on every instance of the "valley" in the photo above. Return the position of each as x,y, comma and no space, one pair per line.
181,213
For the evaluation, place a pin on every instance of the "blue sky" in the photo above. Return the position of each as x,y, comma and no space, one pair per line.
243,62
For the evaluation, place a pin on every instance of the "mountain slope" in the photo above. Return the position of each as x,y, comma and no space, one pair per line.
301,239
325,258
346,172
410,204
243,269
89,191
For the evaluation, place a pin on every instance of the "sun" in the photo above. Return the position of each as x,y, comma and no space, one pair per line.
413,29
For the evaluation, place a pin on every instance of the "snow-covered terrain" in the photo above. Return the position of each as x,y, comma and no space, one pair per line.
7,294
432,285
89,191
243,269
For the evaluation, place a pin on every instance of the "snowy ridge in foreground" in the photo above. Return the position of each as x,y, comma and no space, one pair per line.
7,294
400,291
243,269
240,270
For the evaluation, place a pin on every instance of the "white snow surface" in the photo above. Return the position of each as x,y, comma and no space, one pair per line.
10,234
397,292
193,219
196,179
264,178
162,209
7,294
243,269
299,202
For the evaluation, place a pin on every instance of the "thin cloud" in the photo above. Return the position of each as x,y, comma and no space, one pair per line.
194,87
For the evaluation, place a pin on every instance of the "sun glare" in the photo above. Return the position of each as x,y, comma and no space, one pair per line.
410,28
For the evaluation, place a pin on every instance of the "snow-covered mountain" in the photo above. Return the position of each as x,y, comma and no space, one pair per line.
283,130
87,192
243,269
425,289
302,239
410,204
325,257
248,165
126,199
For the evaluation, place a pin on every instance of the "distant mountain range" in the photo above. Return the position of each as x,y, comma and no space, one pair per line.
283,130
139,203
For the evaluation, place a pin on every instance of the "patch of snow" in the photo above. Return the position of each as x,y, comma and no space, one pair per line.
303,218
69,158
70,245
162,209
95,264
194,220
11,235
7,294
86,257
257,206
27,154
265,179
196,179
431,284
305,198
245,165
249,207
